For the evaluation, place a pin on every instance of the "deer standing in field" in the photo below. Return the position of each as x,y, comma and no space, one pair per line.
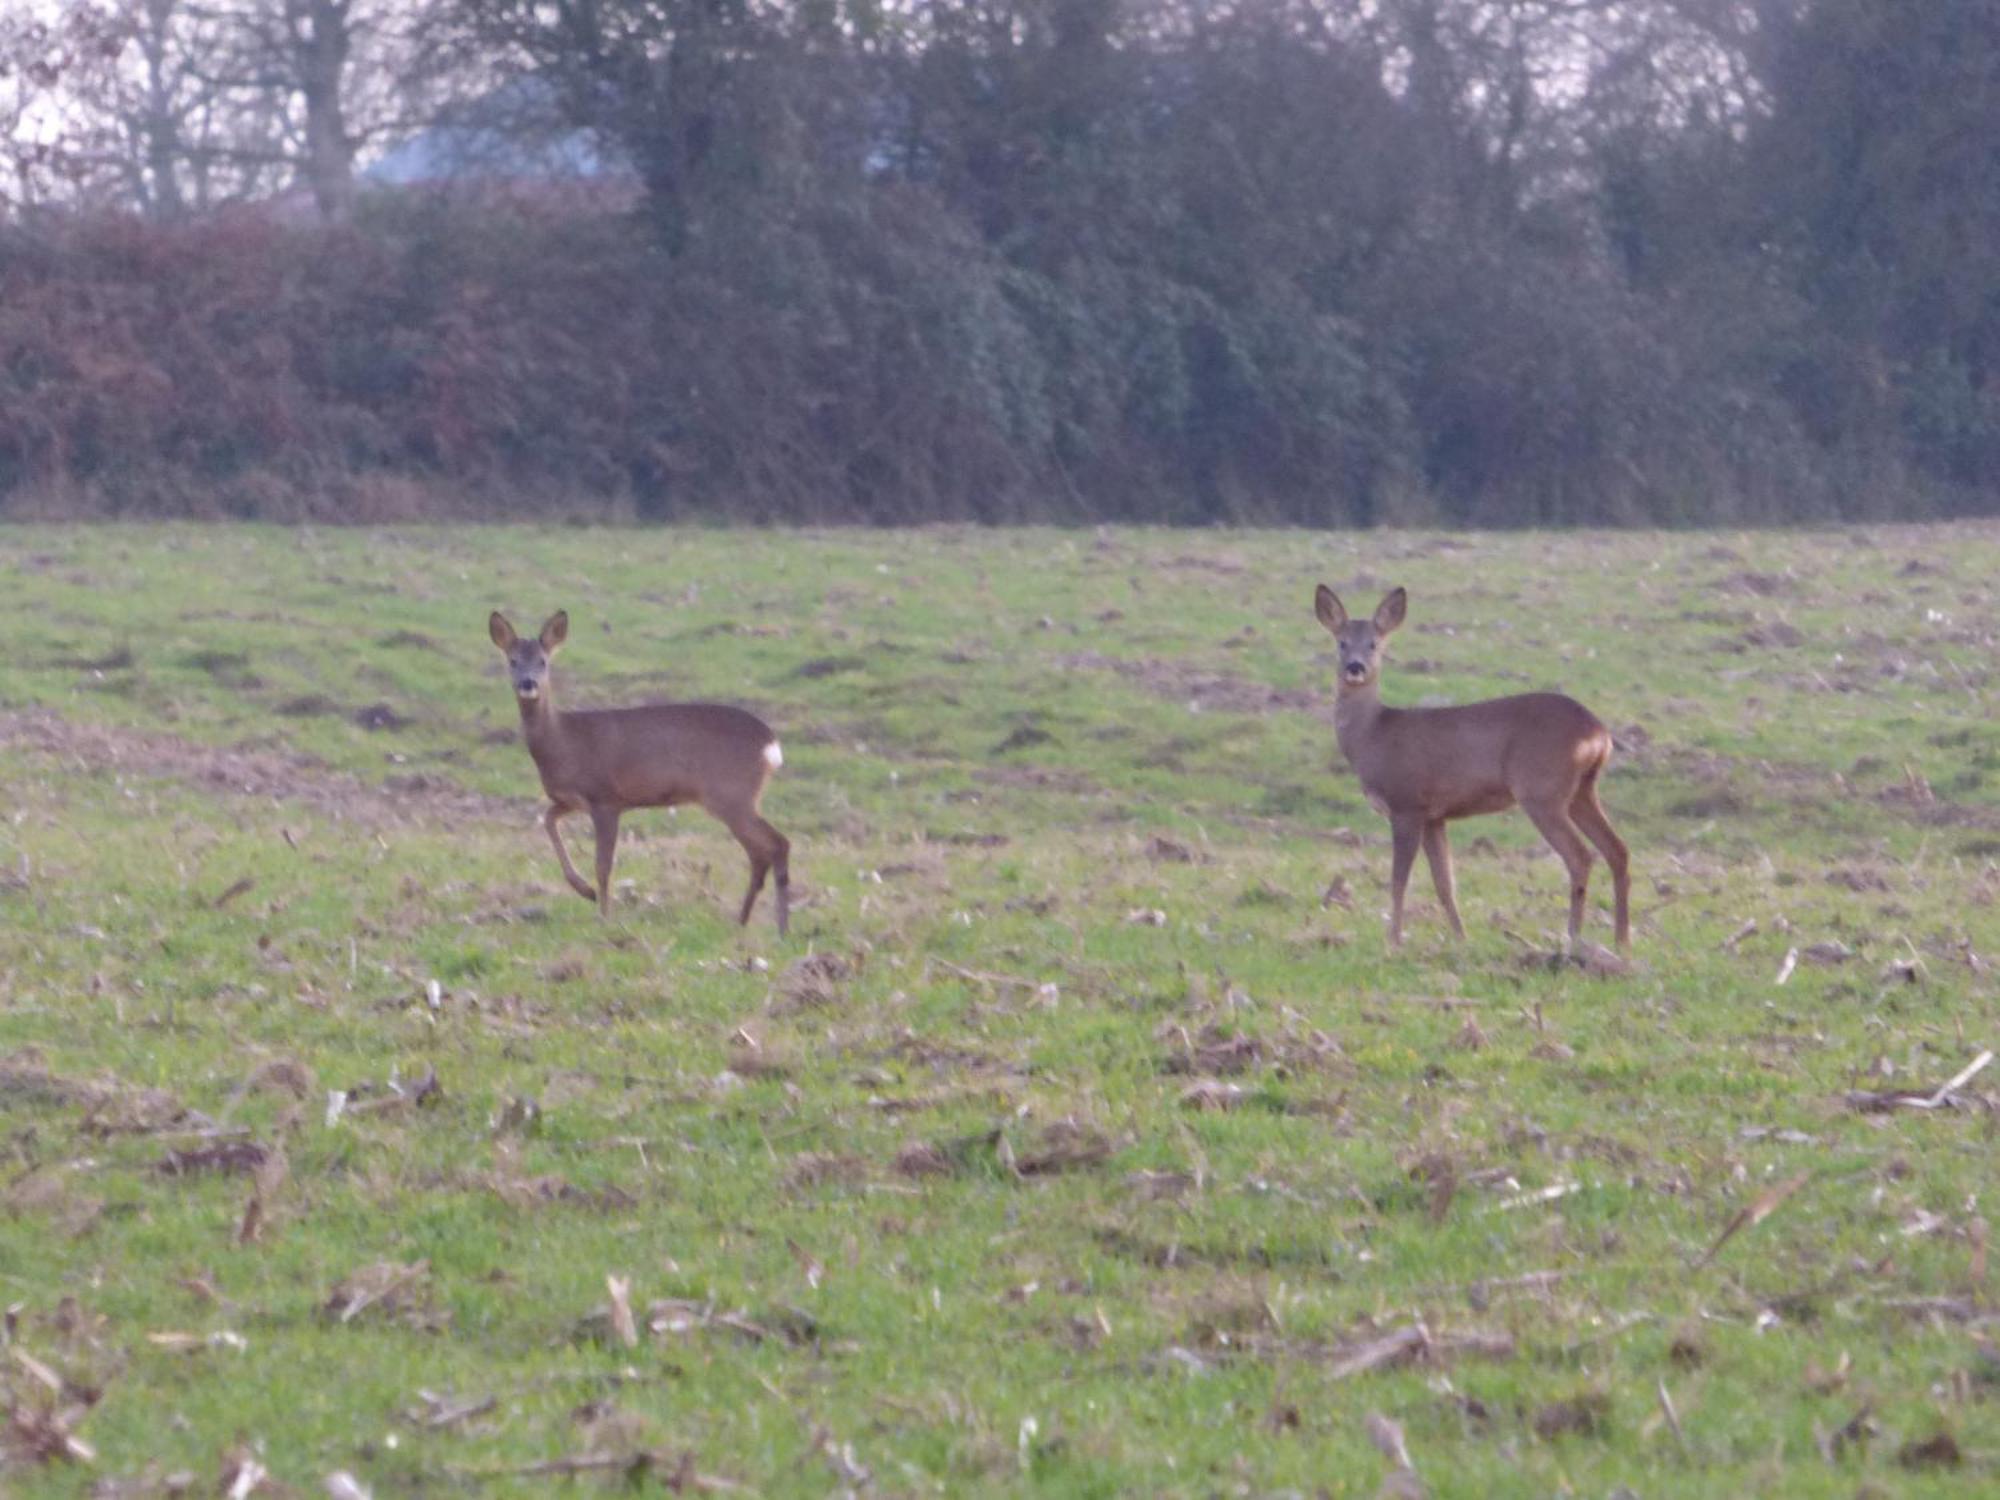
607,761
1422,767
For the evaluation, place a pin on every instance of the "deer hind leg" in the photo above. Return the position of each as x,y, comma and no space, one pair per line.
769,851
1588,814
604,823
781,865
1437,853
550,820
1553,821
1404,834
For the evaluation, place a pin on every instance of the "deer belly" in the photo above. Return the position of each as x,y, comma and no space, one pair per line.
658,786
1485,800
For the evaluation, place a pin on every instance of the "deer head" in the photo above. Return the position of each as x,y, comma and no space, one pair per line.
1360,641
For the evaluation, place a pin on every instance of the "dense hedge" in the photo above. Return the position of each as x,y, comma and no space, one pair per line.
1230,277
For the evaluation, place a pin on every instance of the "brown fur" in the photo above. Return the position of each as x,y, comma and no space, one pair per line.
605,762
1423,767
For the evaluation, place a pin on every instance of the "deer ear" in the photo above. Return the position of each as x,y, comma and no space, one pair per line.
1389,613
1326,604
502,633
555,630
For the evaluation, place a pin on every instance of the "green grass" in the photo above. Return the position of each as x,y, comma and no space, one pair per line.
947,1210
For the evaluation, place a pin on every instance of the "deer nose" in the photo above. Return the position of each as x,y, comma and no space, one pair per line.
526,687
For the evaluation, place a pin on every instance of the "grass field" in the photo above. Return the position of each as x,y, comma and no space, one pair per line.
1069,1144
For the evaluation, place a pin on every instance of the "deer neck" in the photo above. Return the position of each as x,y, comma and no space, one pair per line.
1355,713
540,724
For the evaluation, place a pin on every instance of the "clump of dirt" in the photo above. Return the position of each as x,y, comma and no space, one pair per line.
1776,634
1022,737
377,716
922,1159
1222,565
812,1168
110,1105
223,1157
1040,778
1583,1415
1214,1052
118,659
1761,585
944,1059
1717,802
944,1158
828,666
399,1293
231,668
1263,893
812,982
307,706
1064,1147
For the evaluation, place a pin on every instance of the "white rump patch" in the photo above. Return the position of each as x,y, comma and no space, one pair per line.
773,756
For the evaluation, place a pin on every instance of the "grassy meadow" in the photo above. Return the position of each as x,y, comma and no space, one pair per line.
1082,1138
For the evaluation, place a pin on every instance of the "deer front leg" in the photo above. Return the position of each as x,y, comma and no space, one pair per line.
604,823
550,820
1405,834
1437,850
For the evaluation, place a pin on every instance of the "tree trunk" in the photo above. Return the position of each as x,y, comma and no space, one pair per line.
322,40
159,126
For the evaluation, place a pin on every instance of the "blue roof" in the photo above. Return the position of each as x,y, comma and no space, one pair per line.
511,133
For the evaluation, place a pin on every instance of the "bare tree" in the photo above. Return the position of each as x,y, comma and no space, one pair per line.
131,106
177,106
334,73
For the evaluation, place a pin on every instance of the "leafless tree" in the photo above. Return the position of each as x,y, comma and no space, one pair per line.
178,106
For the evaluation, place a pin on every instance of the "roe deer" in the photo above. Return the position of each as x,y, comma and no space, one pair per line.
605,761
1422,767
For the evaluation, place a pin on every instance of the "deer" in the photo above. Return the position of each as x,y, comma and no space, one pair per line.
608,761
1423,767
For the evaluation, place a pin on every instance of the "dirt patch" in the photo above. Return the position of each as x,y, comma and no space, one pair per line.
1759,585
381,716
1039,778
1201,691
230,668
811,982
828,666
1720,802
1778,634
111,1106
1022,738
118,659
1222,565
295,780
371,717
414,640
307,706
